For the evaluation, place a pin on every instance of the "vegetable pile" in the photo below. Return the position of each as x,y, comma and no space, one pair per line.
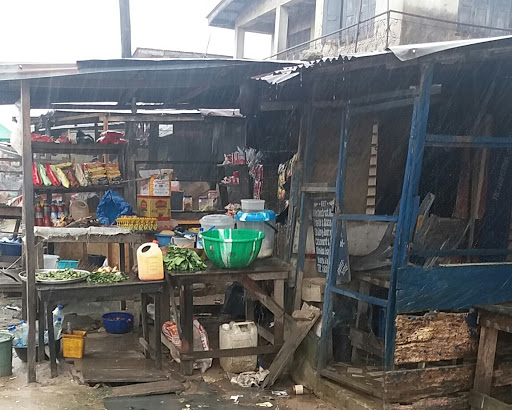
106,275
182,259
62,274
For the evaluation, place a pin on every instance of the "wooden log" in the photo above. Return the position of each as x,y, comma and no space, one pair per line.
458,402
441,336
408,386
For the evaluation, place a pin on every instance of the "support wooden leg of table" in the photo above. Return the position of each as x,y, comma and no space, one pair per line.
144,315
485,360
187,327
24,300
51,340
158,331
42,319
165,304
249,306
279,320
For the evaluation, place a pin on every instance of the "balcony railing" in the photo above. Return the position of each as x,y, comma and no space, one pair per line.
384,30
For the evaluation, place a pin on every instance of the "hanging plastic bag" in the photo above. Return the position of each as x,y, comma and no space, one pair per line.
112,206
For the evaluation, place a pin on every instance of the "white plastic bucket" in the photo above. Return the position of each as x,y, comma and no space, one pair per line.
51,261
253,205
217,222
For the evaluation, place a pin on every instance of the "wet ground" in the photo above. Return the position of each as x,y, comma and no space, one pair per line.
210,390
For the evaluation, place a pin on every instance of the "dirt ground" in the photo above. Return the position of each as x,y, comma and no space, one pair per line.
63,393
209,390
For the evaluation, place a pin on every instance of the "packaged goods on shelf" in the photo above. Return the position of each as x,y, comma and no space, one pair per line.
137,223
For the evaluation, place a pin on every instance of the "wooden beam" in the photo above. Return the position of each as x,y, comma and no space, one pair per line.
482,401
367,342
28,219
485,360
256,292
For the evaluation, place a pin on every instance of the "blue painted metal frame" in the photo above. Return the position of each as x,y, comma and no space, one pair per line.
460,252
359,296
406,214
330,283
363,217
454,287
468,141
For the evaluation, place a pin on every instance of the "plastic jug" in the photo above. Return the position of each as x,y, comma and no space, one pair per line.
150,262
236,335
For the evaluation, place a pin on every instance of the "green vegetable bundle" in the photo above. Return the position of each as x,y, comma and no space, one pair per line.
105,277
62,274
182,259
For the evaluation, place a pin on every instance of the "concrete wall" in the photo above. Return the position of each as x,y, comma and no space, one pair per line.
416,30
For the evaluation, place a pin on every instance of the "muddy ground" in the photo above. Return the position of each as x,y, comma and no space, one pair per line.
202,391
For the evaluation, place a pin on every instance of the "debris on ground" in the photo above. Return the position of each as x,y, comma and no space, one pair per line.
249,379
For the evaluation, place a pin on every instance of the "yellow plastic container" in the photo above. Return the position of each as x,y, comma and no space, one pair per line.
150,262
73,346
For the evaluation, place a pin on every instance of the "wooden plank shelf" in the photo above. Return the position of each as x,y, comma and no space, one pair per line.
79,149
90,188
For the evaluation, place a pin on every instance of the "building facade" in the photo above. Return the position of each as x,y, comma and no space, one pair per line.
331,27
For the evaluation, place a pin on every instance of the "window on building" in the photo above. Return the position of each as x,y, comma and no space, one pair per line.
343,13
490,14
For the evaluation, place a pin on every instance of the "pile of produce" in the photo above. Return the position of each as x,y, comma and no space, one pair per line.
183,259
106,275
61,274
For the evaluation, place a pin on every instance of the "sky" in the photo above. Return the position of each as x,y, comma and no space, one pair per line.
70,30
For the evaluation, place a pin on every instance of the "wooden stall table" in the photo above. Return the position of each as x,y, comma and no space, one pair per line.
492,320
52,295
271,269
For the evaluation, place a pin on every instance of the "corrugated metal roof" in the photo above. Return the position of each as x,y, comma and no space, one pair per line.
402,53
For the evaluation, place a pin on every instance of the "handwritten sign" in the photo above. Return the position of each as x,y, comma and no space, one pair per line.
322,228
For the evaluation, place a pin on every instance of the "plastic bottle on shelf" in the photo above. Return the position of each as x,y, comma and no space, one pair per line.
199,243
47,221
24,333
14,332
39,221
57,328
57,312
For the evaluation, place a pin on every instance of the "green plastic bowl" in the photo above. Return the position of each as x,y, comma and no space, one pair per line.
232,248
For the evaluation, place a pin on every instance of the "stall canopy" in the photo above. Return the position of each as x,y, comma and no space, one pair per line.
169,83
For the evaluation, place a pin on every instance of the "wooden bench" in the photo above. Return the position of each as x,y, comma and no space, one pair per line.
492,319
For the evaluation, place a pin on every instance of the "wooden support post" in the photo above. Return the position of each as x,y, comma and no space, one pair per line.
126,34
485,360
187,326
28,218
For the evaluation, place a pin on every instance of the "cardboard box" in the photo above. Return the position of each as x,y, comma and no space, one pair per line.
156,182
313,289
154,206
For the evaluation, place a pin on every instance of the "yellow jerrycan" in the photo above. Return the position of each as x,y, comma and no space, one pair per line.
150,262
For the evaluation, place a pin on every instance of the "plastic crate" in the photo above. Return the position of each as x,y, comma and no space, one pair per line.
10,249
73,346
67,264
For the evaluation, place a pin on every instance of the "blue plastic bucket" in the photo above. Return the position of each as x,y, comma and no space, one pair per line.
118,322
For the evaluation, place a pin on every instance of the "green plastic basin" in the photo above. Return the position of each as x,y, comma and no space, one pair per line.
232,248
